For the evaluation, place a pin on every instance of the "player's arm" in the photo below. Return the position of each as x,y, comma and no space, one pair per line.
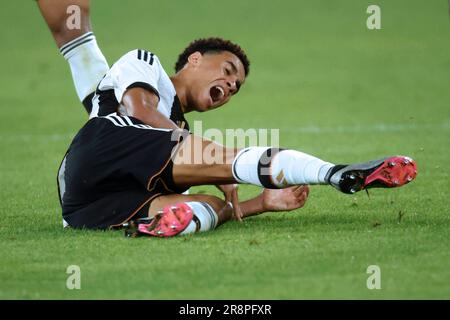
287,199
135,79
142,104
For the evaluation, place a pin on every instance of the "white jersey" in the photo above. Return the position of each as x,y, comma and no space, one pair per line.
137,68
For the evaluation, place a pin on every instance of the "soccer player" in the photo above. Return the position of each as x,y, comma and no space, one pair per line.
88,66
132,160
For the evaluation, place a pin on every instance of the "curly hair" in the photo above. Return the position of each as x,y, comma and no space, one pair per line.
212,45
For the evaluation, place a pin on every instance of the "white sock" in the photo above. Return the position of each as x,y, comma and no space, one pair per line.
205,218
266,167
290,167
87,63
245,165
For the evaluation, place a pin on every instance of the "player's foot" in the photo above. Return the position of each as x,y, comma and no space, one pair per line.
389,172
169,222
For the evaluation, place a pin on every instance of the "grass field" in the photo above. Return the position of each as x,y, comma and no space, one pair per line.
334,89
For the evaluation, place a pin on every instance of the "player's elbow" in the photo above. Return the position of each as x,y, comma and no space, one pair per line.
139,102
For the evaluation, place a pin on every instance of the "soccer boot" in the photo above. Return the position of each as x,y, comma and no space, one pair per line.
169,222
389,172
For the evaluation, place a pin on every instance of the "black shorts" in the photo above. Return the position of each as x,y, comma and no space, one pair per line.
114,168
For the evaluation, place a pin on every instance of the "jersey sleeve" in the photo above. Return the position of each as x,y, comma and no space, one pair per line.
137,68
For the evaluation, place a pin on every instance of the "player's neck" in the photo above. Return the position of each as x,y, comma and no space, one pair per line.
181,92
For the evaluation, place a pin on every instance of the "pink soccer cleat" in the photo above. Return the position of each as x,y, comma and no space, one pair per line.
388,172
169,222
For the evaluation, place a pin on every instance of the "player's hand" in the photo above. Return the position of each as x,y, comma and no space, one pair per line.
287,199
230,191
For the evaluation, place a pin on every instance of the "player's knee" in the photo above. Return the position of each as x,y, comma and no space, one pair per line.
215,202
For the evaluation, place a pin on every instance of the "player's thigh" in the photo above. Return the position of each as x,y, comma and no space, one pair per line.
202,161
61,17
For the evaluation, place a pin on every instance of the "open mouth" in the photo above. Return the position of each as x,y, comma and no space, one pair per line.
217,93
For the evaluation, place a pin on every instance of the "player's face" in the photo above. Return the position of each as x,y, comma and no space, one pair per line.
216,78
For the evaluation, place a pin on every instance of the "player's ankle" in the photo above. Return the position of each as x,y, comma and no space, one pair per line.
332,171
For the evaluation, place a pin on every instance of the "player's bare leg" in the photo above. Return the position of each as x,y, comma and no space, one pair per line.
190,168
56,17
70,25
223,210
279,168
175,214
178,214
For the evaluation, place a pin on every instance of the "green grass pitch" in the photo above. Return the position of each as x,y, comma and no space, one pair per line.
334,89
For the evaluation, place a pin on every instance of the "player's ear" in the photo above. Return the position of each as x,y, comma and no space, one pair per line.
195,58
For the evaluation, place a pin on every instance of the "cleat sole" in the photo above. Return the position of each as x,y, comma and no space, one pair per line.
393,172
